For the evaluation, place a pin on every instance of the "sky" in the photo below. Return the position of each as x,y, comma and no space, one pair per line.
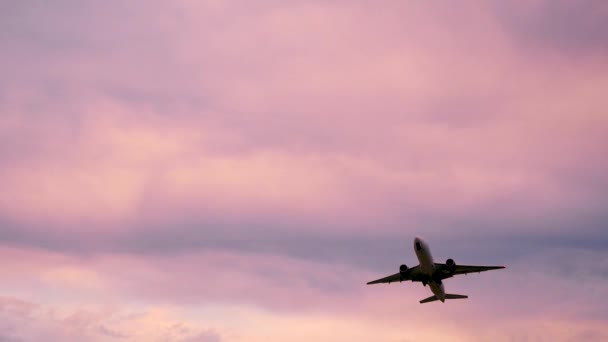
236,171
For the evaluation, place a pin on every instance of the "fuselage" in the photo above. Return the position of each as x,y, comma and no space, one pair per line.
427,267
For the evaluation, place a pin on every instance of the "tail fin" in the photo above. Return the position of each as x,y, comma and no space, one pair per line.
447,296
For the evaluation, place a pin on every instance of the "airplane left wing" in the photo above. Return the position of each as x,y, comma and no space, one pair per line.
412,274
465,269
390,279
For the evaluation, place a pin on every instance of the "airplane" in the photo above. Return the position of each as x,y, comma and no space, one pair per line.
432,273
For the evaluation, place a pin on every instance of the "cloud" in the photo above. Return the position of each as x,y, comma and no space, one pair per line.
206,336
344,128
264,160
181,297
568,29
26,321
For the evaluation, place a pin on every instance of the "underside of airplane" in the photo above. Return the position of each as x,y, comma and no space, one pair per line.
430,273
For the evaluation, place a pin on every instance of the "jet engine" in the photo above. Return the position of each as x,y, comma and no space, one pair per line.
450,264
403,268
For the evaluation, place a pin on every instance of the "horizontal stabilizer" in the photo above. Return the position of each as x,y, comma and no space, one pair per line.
430,299
447,296
455,296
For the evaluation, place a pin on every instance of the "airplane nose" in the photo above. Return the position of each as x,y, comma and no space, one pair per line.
417,243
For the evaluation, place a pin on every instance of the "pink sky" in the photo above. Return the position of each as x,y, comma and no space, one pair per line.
237,171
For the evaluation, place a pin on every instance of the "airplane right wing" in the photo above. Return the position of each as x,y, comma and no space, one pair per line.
465,269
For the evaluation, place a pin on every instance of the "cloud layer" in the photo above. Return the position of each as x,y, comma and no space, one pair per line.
203,171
